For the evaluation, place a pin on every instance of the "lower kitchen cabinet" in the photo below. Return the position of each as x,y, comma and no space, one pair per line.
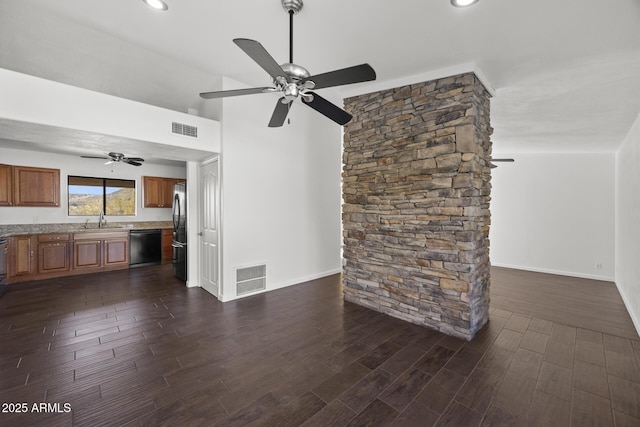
116,251
44,256
21,258
87,253
53,253
167,249
101,250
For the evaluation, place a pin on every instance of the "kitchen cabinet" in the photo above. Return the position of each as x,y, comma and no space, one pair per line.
36,186
116,251
167,249
29,186
45,256
100,250
6,185
87,253
21,258
158,191
53,253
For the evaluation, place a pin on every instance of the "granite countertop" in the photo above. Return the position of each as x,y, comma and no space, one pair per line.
21,229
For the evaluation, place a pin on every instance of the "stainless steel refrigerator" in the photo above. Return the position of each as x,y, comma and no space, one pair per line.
180,230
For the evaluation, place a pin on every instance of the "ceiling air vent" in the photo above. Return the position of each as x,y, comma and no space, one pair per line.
182,129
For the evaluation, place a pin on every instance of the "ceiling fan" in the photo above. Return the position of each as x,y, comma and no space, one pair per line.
118,158
498,160
295,81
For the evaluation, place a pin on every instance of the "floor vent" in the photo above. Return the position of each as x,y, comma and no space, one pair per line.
251,279
182,129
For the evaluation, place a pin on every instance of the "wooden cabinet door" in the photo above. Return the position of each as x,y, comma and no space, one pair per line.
53,257
36,186
87,254
167,249
116,252
6,186
158,192
153,188
22,259
167,193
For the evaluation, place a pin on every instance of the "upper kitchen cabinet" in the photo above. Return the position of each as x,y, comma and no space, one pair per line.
36,186
6,190
158,191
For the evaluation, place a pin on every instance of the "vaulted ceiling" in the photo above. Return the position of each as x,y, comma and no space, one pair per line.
565,73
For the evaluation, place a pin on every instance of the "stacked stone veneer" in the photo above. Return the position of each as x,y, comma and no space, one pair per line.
416,188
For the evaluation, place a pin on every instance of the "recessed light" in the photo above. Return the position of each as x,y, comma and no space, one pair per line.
156,4
463,3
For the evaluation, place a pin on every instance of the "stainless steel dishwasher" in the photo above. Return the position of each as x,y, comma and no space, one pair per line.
145,247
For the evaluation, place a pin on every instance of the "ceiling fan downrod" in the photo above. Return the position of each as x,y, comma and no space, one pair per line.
291,36
292,7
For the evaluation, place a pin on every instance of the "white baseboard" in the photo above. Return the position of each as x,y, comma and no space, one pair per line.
635,317
287,283
558,272
306,279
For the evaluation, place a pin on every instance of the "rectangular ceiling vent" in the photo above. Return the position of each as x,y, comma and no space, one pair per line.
251,279
182,129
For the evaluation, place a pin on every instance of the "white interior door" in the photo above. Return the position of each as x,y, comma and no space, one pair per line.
209,227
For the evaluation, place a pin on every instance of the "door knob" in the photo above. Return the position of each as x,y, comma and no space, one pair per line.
201,234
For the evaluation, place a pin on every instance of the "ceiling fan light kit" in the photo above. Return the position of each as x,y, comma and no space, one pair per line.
295,81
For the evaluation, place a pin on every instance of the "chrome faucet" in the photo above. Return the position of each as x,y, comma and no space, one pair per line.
101,221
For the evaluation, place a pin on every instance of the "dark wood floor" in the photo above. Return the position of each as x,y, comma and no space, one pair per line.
138,348
589,304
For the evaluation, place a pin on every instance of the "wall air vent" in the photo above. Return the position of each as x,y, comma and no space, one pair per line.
251,279
182,129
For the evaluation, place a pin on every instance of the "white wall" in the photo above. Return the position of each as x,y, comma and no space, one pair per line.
281,192
627,268
73,165
34,100
554,213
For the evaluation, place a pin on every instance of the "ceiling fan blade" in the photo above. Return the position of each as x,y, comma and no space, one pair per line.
279,114
330,110
132,162
236,92
346,76
134,159
492,166
94,157
258,53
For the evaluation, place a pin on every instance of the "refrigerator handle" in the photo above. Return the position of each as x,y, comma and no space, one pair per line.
176,218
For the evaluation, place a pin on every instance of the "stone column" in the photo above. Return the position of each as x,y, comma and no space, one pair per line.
416,188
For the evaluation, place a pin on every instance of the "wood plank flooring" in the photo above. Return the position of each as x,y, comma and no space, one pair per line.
137,348
590,304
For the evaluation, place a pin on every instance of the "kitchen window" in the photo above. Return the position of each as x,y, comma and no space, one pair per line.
89,196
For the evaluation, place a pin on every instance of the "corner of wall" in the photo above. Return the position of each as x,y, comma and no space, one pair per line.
627,227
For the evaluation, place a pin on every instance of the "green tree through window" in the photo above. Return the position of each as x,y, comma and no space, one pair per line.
88,196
